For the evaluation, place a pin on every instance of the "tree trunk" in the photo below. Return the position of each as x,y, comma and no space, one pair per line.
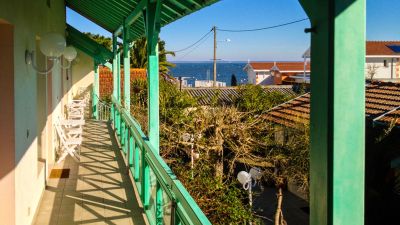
278,215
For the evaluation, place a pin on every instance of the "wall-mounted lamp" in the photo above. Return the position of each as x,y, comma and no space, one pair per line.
69,54
52,45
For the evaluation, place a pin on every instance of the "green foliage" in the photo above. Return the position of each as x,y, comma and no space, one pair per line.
256,99
172,102
139,55
221,202
291,157
221,136
139,52
105,41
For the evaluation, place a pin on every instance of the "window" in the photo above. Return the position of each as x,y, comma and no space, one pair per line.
385,63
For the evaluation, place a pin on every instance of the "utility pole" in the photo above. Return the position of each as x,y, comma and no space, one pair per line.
215,56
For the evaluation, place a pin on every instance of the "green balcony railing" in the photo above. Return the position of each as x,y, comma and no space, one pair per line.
151,173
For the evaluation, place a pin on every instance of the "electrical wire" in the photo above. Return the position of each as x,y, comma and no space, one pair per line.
263,28
206,38
190,46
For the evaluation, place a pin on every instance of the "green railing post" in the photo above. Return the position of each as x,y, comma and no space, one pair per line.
131,150
136,165
112,113
145,169
337,111
96,92
122,136
152,31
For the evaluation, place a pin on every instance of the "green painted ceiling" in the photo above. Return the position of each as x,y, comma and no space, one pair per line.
110,14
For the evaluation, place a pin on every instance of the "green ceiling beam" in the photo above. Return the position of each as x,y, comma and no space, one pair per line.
113,15
132,17
98,22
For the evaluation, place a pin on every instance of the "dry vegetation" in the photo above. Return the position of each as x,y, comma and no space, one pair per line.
222,137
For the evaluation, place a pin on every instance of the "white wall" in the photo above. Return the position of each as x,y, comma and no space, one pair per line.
381,71
36,95
31,19
82,73
259,77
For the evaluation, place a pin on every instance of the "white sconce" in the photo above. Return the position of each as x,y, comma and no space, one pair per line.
53,46
69,54
248,180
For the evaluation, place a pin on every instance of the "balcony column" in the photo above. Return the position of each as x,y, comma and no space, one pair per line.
96,92
119,91
152,15
127,70
115,86
337,111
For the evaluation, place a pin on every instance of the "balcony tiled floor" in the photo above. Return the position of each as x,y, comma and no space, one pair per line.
98,191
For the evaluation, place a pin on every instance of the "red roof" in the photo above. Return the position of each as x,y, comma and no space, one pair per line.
381,47
382,104
283,66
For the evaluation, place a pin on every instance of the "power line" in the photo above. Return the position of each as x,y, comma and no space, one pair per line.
264,28
190,46
195,47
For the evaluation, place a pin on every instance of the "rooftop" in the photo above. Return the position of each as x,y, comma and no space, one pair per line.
382,106
283,66
228,95
382,48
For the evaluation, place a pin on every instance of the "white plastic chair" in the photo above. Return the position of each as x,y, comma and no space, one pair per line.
70,141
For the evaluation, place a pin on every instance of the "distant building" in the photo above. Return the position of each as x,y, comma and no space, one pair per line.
274,73
383,59
208,83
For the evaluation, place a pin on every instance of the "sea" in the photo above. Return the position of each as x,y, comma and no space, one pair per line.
204,71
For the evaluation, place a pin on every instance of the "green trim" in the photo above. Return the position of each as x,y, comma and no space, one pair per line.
187,209
127,70
113,15
90,47
96,93
337,111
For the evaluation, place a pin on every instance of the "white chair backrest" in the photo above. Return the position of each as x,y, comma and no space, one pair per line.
60,131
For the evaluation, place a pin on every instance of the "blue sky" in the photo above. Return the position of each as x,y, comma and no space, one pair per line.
285,43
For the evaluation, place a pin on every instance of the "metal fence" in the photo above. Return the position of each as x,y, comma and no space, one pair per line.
101,109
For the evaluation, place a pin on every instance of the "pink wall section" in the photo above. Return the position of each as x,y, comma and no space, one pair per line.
7,128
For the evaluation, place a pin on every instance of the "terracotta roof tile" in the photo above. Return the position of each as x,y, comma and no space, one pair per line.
381,47
381,98
283,66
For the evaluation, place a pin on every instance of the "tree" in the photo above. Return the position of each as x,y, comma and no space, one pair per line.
233,80
139,55
105,41
139,52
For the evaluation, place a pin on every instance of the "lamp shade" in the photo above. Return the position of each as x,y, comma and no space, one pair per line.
256,173
52,45
243,177
70,53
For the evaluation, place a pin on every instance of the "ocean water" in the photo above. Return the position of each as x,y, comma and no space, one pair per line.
204,71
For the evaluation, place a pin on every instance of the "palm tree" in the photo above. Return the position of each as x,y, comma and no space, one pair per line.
139,55
139,52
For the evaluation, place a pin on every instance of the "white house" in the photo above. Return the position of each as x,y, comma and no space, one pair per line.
382,60
273,73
